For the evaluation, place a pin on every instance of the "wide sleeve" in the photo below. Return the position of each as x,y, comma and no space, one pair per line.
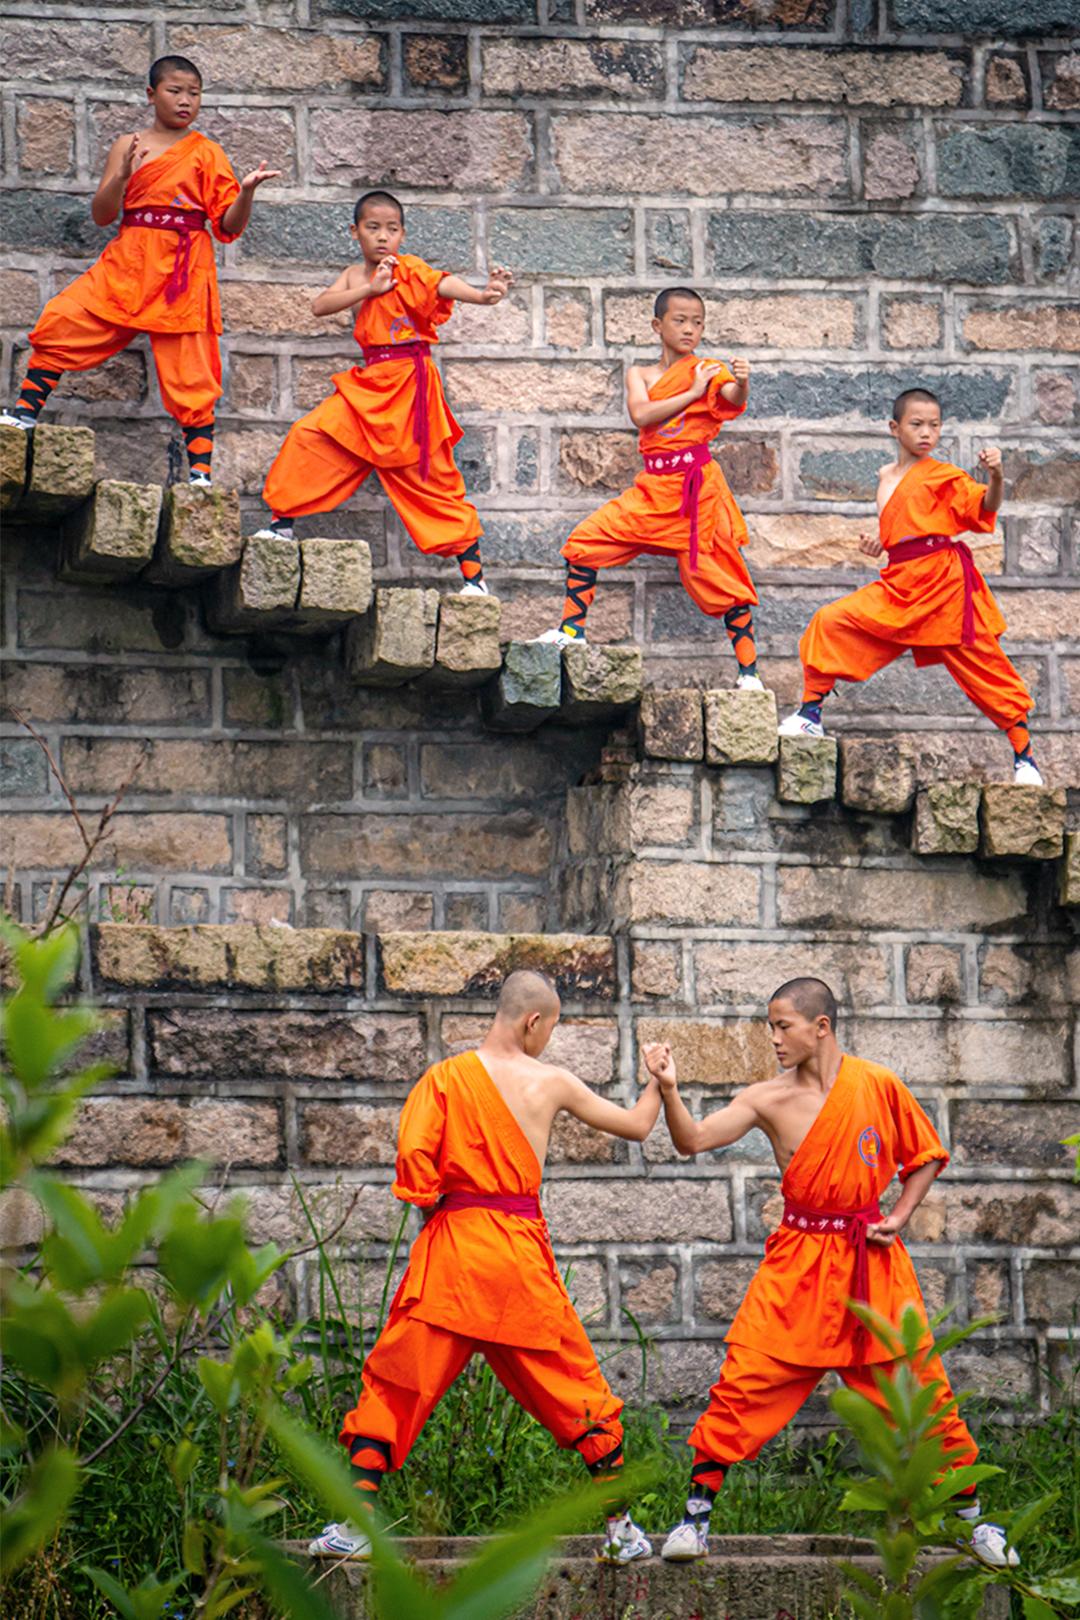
420,292
220,190
915,1141
720,407
420,1136
966,505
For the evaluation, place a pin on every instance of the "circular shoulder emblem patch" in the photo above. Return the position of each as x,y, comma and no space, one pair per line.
870,1146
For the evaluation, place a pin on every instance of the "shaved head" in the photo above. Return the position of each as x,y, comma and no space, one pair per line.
811,999
526,991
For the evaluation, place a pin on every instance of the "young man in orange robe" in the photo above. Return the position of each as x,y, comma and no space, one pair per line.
158,274
931,597
680,504
840,1128
390,416
482,1278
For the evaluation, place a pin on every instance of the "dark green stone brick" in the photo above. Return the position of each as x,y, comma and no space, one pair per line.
563,241
928,248
1008,160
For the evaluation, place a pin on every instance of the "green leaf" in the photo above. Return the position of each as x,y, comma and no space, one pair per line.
33,1517
1061,1588
197,1255
113,1325
182,1463
1036,1609
290,1587
194,1548
219,1381
958,1479
1023,1522
111,1589
865,1496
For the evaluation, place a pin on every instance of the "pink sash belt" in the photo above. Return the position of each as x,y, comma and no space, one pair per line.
526,1204
689,462
418,353
925,546
852,1224
186,222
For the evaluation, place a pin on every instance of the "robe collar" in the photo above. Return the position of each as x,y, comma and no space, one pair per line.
809,1142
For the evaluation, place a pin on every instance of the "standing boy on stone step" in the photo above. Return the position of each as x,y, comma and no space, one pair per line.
840,1129
931,598
389,417
679,505
482,1278
158,274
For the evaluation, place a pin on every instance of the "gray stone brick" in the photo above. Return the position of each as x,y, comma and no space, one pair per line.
667,239
563,241
1009,160
471,11
475,455
966,395
318,233
1053,244
50,222
931,247
24,771
840,475
996,17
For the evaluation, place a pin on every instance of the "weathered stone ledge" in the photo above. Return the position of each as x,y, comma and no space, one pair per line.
458,964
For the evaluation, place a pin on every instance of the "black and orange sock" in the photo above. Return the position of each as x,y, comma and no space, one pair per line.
472,569
200,449
369,1460
706,1478
1020,738
739,624
601,1450
580,590
38,384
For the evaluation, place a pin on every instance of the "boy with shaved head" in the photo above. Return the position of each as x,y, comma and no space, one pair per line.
931,599
840,1127
679,505
482,1277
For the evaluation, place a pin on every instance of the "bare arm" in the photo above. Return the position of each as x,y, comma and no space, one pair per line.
124,158
690,1135
990,458
736,392
353,286
646,412
238,212
916,1187
632,1123
499,282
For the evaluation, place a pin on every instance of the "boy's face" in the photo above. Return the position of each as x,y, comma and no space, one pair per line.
379,231
919,429
681,325
795,1038
175,98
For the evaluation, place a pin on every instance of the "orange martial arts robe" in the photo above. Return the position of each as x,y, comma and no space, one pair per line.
650,516
159,281
869,1127
919,603
389,416
479,1281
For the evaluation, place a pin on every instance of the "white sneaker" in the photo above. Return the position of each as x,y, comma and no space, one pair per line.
685,1543
9,419
625,1542
560,638
266,533
475,587
749,683
199,480
340,1541
797,725
1026,774
990,1545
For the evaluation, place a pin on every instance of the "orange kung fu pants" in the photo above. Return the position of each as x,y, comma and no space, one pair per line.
313,472
413,1364
837,646
68,337
757,1395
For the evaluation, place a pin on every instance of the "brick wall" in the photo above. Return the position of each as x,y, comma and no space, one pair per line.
868,193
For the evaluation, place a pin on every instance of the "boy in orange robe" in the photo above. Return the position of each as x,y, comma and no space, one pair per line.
680,504
482,1278
840,1128
158,274
931,598
390,416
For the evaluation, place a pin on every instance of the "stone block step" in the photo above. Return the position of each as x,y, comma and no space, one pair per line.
744,1578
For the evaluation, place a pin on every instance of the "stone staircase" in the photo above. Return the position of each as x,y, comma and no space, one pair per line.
745,1578
275,590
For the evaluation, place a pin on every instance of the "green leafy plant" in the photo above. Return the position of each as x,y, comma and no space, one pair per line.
911,1491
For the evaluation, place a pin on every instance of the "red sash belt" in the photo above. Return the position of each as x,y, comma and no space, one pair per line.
925,546
186,222
852,1224
418,353
526,1204
689,462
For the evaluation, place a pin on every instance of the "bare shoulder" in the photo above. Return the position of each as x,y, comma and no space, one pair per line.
767,1096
